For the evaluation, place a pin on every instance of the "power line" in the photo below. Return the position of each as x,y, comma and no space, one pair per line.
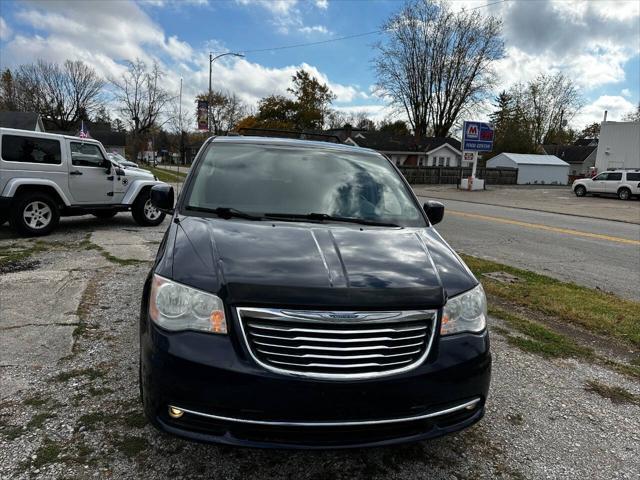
346,37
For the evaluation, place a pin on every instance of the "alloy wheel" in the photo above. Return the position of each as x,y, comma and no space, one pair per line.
151,212
37,215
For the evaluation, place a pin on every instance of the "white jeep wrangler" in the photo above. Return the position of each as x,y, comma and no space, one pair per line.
44,176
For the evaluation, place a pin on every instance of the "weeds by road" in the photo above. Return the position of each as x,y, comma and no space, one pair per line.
594,310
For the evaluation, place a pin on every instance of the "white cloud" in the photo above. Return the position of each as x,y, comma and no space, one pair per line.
322,4
316,29
5,31
625,92
615,105
284,13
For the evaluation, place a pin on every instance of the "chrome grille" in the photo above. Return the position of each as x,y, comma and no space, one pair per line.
337,345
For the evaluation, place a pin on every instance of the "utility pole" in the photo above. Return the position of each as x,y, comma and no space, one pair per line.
211,60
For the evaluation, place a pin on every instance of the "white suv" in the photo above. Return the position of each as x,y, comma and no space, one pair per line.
623,183
44,176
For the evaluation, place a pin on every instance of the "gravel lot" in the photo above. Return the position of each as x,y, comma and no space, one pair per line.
69,397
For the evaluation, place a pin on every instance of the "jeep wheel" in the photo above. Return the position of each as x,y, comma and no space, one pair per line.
144,213
105,214
34,214
624,194
580,191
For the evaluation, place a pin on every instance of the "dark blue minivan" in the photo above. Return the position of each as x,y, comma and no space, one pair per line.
302,298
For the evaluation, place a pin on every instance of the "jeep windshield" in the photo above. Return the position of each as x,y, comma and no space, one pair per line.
301,184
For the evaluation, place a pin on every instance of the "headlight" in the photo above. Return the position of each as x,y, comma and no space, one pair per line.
465,313
174,306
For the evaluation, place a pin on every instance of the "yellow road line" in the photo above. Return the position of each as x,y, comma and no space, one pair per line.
538,226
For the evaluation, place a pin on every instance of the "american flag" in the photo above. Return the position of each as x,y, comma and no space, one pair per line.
83,132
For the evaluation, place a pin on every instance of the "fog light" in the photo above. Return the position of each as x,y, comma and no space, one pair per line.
175,412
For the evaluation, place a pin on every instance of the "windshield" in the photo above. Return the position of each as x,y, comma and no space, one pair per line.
291,180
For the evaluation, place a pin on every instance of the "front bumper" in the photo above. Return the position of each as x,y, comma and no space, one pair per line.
227,398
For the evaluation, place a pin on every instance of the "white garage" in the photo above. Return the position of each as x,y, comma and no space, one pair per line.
534,169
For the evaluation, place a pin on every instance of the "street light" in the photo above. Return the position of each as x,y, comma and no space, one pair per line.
211,60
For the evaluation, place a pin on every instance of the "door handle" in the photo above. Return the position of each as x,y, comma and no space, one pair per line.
75,172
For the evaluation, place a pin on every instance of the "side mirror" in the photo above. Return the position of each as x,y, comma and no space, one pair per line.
434,211
119,171
162,198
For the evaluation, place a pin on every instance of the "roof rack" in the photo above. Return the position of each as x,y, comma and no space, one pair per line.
278,133
628,169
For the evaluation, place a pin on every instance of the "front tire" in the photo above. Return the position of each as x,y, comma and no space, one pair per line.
624,194
580,191
144,213
34,214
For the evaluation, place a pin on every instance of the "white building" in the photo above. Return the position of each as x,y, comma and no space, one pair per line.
618,146
534,169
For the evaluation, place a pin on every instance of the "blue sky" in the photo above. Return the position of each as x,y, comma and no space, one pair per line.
596,43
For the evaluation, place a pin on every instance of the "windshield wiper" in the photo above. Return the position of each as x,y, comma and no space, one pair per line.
225,212
330,218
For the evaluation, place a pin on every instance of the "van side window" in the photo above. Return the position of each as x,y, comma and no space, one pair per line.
633,177
16,148
615,177
87,155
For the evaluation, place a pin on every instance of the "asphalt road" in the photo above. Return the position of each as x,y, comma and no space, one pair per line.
596,253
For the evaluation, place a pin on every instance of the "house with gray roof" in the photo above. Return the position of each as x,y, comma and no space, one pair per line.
406,149
579,157
21,120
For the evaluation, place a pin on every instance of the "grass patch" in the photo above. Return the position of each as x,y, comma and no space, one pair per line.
16,253
617,395
131,446
539,339
134,419
11,432
98,391
597,311
167,176
35,401
120,261
37,421
91,373
90,420
48,452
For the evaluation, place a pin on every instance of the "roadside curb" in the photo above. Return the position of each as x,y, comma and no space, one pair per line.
531,209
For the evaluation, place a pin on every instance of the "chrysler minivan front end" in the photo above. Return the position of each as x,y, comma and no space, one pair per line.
301,298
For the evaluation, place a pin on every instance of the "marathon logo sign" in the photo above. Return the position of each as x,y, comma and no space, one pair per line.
477,137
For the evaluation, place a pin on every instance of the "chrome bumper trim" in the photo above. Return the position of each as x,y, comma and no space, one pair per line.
468,405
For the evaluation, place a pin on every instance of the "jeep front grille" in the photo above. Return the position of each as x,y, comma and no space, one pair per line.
337,345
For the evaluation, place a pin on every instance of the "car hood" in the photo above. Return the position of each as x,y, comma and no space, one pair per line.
315,265
137,172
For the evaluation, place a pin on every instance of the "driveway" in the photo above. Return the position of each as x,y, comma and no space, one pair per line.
69,405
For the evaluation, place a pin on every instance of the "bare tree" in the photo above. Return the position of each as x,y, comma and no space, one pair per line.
633,115
436,63
62,94
140,96
225,110
549,103
141,100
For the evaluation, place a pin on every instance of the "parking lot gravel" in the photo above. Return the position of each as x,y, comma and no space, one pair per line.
74,412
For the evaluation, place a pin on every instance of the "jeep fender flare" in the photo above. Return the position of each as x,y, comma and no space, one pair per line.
12,186
136,187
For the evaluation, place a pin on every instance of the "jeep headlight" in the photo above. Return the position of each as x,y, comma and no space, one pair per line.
174,306
466,312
